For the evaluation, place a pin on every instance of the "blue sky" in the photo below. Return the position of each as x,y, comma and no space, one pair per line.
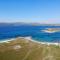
42,11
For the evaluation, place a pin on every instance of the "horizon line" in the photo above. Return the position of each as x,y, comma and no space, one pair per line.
30,22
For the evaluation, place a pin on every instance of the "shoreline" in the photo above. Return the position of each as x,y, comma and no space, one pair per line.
7,40
46,43
29,38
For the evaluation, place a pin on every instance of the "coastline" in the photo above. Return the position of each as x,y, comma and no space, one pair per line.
29,38
45,43
7,40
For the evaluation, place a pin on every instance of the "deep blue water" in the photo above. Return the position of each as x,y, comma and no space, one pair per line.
35,32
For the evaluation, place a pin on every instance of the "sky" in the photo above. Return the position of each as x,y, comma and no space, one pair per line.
41,11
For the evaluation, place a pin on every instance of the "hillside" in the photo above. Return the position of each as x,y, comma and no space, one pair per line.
21,49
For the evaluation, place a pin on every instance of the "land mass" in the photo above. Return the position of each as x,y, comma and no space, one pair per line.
24,49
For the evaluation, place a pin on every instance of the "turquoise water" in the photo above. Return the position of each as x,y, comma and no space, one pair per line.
35,32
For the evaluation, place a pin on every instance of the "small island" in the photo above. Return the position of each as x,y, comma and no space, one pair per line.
51,30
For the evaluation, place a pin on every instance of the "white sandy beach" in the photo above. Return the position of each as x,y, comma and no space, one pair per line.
29,38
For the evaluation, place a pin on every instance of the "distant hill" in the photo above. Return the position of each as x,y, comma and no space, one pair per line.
29,24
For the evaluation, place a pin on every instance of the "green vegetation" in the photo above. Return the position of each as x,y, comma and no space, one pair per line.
29,51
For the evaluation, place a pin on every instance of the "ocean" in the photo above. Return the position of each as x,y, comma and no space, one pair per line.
8,32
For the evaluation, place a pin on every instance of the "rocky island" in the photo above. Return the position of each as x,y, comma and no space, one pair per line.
51,30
